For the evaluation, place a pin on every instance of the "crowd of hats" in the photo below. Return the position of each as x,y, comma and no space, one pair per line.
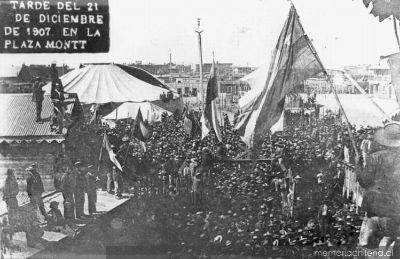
241,211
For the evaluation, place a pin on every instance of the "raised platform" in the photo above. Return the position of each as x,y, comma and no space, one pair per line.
105,203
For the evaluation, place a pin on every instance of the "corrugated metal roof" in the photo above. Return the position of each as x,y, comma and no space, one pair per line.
18,120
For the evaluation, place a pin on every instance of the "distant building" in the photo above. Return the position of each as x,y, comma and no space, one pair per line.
27,73
223,69
8,77
320,84
19,79
374,79
233,90
188,86
240,72
163,69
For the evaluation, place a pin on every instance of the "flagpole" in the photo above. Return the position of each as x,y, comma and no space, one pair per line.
219,96
199,31
101,155
333,90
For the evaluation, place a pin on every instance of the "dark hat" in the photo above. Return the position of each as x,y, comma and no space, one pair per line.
53,204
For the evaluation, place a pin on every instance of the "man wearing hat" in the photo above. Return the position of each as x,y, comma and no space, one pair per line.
68,183
196,190
37,97
79,191
10,192
381,180
55,218
206,163
56,221
91,190
35,188
118,182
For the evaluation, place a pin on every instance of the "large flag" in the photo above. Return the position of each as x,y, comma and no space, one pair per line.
139,129
111,154
294,60
209,118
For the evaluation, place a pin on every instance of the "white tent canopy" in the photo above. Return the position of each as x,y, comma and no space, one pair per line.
150,112
363,113
105,83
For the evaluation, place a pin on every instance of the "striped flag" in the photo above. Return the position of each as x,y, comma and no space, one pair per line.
209,118
111,154
294,60
139,129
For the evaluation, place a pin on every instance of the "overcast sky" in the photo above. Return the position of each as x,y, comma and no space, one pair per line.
239,31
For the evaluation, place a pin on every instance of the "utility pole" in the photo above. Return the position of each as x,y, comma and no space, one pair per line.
199,31
170,67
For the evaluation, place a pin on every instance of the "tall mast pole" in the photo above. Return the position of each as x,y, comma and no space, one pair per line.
199,31
170,67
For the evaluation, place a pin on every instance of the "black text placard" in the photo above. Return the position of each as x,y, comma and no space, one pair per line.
54,26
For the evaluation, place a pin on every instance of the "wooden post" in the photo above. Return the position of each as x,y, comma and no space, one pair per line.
199,31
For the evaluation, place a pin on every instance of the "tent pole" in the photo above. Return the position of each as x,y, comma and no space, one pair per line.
199,31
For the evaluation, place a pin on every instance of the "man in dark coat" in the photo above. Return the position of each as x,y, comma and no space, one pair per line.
91,190
221,152
35,188
79,192
381,179
118,182
67,186
37,97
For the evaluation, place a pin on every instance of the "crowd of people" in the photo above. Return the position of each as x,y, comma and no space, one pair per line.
206,196
211,202
76,182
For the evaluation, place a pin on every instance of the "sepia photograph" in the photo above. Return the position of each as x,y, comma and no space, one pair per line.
199,129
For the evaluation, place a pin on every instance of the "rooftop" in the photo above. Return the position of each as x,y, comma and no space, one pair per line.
18,120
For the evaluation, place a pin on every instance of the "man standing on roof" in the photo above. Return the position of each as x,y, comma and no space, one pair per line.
37,97
57,96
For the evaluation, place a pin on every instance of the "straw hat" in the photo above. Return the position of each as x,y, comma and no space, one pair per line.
389,135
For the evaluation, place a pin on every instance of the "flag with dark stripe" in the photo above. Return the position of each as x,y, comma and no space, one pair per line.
139,129
293,61
209,119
